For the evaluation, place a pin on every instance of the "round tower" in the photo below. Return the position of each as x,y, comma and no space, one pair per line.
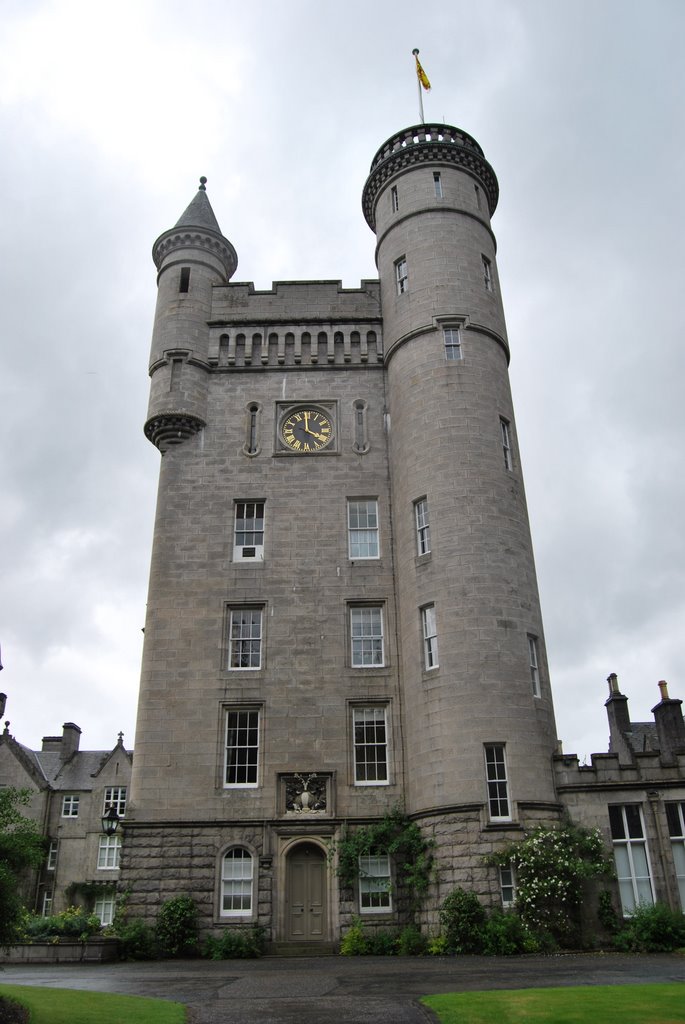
479,723
191,258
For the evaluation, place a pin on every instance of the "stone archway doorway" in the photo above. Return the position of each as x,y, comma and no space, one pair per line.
306,903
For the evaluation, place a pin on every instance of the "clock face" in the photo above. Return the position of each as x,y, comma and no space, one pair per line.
306,430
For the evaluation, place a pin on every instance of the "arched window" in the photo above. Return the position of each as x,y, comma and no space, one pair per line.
236,883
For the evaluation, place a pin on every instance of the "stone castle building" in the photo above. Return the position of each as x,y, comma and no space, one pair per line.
343,613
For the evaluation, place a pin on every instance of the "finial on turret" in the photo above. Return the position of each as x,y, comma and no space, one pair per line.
203,182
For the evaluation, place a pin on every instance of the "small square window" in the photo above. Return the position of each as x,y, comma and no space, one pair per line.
70,806
115,797
108,852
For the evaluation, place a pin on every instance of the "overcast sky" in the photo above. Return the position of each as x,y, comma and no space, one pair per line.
109,113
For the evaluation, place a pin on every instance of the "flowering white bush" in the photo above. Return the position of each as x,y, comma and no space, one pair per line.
550,865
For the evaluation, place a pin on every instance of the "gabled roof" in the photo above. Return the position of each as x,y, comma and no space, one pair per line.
27,759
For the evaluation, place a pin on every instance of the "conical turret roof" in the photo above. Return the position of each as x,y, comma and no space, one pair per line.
198,228
199,212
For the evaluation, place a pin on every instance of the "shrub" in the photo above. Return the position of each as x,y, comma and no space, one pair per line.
12,1012
382,943
72,923
551,865
463,919
235,944
177,927
437,946
136,940
656,929
354,942
411,942
506,935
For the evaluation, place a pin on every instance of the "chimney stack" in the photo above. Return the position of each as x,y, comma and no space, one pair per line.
670,726
71,737
620,729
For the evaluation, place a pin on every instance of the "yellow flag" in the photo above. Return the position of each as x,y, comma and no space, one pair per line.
422,76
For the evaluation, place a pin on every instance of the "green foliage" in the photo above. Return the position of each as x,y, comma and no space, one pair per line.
551,865
656,929
437,946
606,912
397,836
12,1012
354,942
610,1004
72,923
176,928
382,943
411,942
506,935
66,1006
463,921
21,847
136,939
235,944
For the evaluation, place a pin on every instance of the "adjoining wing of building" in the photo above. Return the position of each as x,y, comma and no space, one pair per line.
343,614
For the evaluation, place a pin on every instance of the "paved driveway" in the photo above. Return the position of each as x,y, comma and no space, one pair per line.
338,990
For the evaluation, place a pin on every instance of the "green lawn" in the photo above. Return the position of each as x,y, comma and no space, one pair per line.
601,1004
66,1006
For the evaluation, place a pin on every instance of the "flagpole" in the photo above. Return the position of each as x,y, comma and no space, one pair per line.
418,83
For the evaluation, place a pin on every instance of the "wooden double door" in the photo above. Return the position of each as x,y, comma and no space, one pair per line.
306,903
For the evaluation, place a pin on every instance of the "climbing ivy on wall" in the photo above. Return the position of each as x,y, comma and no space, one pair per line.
397,836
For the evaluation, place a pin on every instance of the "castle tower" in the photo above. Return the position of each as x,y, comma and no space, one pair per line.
454,458
342,616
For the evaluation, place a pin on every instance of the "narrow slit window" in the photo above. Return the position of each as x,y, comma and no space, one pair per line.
184,284
534,664
430,637
505,432
479,200
394,199
423,530
437,184
487,274
401,277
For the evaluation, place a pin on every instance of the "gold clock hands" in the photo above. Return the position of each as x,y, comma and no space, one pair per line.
306,422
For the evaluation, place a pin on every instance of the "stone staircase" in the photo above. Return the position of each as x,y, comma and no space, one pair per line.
301,949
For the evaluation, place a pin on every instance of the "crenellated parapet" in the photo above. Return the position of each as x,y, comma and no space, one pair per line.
427,142
607,772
